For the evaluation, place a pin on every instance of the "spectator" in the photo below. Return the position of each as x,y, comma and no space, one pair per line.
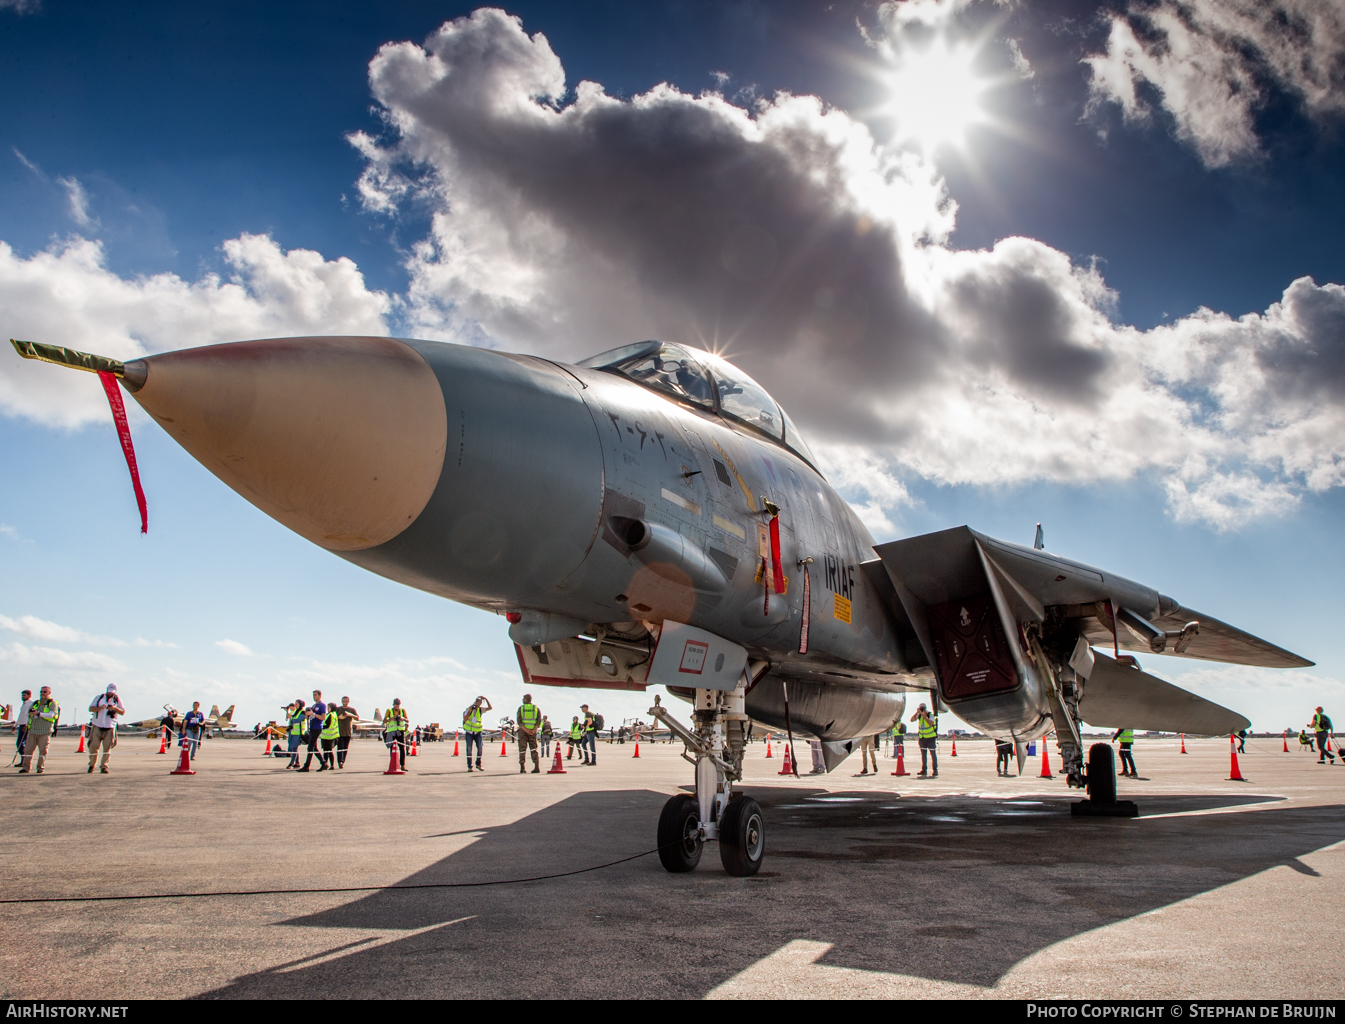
929,741
1127,738
471,727
314,715
103,730
1321,727
1003,748
547,734
331,732
867,754
21,720
396,729
192,723
819,762
346,718
42,719
590,745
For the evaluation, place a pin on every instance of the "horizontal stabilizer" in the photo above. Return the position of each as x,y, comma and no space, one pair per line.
1116,697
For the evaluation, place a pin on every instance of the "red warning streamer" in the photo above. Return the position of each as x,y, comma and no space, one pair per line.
124,435
777,570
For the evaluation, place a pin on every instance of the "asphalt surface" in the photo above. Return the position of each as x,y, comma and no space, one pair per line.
968,885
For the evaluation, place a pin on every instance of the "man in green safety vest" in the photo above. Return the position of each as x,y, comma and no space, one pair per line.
928,739
471,726
331,731
298,722
1321,727
42,719
1127,738
529,721
576,738
395,725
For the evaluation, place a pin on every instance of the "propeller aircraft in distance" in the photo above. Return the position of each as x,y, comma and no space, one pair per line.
651,516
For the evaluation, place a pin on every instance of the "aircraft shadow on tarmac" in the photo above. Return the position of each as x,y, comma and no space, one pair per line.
951,888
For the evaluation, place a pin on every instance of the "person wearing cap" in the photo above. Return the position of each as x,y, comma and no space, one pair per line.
589,744
396,725
1321,726
471,728
314,714
576,738
298,720
21,719
548,732
103,729
928,732
529,723
42,718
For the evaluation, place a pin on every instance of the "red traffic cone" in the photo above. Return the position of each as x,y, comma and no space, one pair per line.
768,746
637,744
504,750
184,765
953,752
1286,741
267,751
1183,743
163,743
556,768
455,745
412,751
901,761
80,750
1045,762
394,768
788,769
1234,775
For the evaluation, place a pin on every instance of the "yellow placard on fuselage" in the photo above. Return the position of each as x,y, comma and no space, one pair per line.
841,609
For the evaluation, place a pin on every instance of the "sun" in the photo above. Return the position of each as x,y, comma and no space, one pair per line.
934,95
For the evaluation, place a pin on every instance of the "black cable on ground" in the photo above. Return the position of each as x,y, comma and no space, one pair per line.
349,888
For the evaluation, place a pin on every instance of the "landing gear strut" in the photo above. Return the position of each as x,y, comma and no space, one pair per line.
715,745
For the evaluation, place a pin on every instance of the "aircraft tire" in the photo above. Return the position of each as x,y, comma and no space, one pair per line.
679,845
1101,777
742,837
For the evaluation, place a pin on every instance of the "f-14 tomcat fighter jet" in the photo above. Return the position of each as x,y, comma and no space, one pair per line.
651,516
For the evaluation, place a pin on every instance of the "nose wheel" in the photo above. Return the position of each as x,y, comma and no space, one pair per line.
742,837
679,834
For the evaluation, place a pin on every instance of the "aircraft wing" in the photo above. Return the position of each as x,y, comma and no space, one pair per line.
1048,579
1117,696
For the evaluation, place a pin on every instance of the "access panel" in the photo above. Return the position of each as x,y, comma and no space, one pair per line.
972,651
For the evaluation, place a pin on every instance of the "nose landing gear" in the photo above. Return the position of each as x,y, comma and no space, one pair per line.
714,813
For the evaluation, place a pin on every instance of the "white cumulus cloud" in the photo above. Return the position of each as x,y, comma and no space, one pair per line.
65,295
51,657
234,647
42,629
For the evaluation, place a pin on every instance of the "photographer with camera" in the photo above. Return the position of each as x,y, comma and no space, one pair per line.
103,730
471,727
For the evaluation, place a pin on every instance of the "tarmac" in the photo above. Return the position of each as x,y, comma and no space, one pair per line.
966,886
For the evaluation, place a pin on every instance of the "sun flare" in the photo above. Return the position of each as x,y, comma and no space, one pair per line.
935,96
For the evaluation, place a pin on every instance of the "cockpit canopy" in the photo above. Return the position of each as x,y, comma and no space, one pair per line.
701,378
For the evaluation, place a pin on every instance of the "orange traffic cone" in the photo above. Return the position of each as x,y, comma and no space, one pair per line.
788,769
412,751
1286,741
1183,743
163,743
1234,775
184,765
768,746
267,751
556,768
81,741
394,768
637,744
504,751
901,761
455,743
953,752
1045,762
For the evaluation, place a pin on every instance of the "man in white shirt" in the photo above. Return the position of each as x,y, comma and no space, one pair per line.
21,732
103,730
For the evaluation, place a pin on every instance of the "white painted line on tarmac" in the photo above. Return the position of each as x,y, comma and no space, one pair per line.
1277,801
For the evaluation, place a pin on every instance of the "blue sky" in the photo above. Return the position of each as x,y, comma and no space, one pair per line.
1202,457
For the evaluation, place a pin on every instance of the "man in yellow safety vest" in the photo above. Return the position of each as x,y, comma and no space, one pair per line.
471,727
42,719
1127,738
576,738
395,726
928,739
331,731
529,721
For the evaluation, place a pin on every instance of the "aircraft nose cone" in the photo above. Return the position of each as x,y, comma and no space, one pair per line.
340,439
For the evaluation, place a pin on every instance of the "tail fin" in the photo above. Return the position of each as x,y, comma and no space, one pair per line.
214,711
227,717
378,717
